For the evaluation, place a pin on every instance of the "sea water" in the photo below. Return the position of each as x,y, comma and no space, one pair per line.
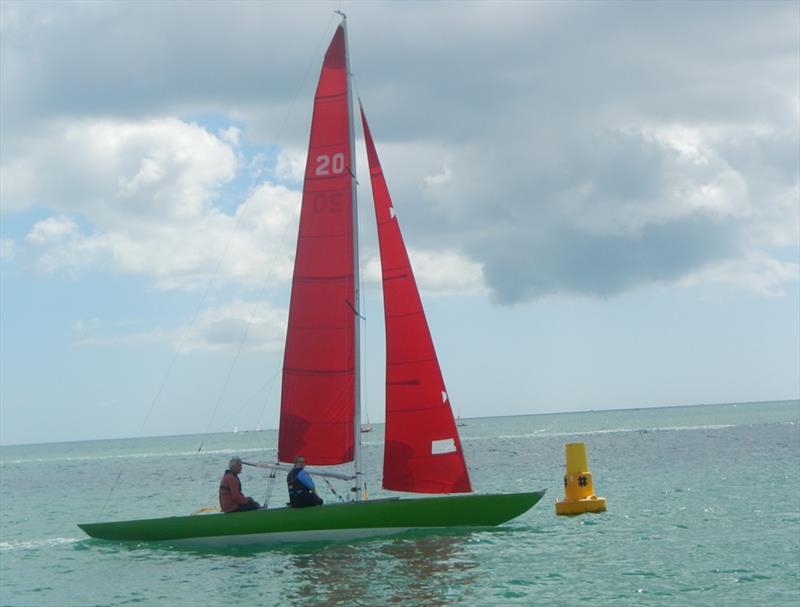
703,509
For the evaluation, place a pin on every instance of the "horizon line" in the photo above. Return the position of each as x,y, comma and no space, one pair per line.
571,412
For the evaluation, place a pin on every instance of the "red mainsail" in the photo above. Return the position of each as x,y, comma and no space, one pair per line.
422,453
317,398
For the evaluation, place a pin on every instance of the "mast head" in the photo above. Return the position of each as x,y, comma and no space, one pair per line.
344,17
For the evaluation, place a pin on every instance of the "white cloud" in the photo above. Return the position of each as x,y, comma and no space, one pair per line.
208,250
231,135
237,325
672,122
53,229
439,179
755,273
116,171
251,325
146,191
686,177
446,273
438,273
291,165
58,244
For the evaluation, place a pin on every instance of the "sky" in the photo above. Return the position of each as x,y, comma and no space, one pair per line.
601,202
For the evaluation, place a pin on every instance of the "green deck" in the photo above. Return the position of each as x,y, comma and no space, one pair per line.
342,520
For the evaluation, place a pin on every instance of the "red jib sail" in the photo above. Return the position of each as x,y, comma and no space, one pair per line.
317,399
423,450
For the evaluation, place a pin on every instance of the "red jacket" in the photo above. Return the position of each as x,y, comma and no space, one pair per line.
230,492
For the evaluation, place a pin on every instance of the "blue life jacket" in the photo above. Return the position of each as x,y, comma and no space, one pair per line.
295,486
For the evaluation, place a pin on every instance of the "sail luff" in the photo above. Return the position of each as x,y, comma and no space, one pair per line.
422,451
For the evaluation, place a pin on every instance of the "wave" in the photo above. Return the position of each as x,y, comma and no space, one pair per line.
546,433
34,544
84,458
540,433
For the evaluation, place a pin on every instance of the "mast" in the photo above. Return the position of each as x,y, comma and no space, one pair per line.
356,278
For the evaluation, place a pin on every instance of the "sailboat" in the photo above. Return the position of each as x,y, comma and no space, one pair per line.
320,396
366,427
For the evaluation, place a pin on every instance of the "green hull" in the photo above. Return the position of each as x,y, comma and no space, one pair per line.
329,522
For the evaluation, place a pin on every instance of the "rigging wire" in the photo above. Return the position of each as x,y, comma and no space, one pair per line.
173,360
215,274
362,307
289,112
303,86
330,486
270,486
363,303
266,386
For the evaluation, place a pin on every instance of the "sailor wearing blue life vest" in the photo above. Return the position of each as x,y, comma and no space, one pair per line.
302,492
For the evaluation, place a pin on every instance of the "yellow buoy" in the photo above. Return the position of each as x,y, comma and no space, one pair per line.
579,494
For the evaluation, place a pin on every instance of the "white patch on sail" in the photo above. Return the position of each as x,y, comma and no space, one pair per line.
444,396
446,445
392,213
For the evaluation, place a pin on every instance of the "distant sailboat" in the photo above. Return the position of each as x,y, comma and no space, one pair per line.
320,399
366,427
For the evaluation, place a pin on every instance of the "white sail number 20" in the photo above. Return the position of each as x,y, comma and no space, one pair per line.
329,165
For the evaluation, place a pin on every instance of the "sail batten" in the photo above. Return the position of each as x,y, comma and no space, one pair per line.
422,452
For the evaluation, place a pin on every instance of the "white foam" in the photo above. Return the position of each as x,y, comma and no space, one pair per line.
86,458
33,544
541,433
